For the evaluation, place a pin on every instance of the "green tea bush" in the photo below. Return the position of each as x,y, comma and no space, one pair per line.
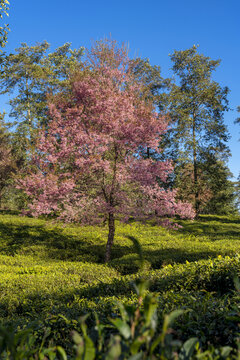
134,335
210,275
47,269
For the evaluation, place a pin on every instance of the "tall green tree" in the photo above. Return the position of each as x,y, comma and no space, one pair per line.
217,179
237,121
197,105
29,76
237,187
154,89
8,162
22,77
154,86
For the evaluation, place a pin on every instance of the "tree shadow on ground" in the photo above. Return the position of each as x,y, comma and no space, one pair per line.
109,291
9,212
157,259
54,243
221,219
213,227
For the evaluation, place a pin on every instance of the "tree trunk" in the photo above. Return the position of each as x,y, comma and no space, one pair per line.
111,232
148,153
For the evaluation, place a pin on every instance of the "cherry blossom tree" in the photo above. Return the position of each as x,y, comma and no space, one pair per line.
88,163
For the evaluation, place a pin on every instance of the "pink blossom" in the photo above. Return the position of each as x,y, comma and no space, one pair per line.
89,162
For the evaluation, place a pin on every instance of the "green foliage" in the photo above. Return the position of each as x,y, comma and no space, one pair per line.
4,7
221,190
237,121
133,335
237,190
47,269
197,132
32,76
8,163
197,137
148,76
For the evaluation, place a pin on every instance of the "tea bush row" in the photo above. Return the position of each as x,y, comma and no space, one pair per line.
39,293
136,334
23,288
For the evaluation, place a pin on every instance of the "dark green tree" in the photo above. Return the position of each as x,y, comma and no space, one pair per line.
237,187
8,163
196,104
23,77
237,121
30,76
217,179
154,88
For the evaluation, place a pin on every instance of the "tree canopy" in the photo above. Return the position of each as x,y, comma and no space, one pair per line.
89,164
196,105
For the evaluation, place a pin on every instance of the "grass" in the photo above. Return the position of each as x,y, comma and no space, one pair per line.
50,272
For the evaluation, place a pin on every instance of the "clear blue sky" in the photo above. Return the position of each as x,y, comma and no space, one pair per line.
153,29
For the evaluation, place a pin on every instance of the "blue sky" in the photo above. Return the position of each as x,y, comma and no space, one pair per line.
153,29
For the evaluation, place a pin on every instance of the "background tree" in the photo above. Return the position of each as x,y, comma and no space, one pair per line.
238,193
196,108
20,76
237,121
153,85
88,161
217,182
8,163
30,75
4,7
213,173
154,89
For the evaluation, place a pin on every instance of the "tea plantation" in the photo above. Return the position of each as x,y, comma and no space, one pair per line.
51,274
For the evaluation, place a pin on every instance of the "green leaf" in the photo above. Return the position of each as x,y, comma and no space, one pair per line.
77,338
188,349
225,351
136,344
141,287
169,319
236,283
89,353
115,349
123,311
138,356
155,343
61,353
150,308
122,327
